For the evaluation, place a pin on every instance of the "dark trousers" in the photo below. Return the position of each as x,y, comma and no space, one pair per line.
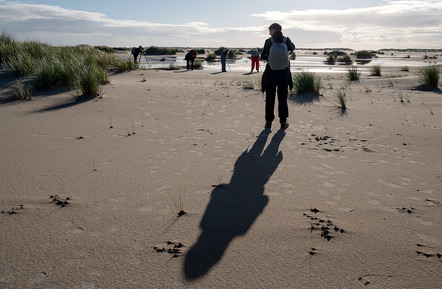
190,64
223,64
277,85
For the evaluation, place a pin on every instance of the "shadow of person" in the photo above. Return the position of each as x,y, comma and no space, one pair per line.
234,207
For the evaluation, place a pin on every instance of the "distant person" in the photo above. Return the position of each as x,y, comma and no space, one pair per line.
224,59
277,75
255,60
137,51
190,58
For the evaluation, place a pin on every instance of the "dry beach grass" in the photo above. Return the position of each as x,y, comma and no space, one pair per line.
168,180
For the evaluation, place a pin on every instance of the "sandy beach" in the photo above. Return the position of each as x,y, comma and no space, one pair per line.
169,180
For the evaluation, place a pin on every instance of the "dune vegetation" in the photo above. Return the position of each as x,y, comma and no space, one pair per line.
82,68
429,76
306,82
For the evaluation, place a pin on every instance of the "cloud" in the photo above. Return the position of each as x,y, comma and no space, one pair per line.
398,24
59,26
414,23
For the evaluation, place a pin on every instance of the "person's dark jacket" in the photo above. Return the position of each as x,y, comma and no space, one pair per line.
269,75
191,55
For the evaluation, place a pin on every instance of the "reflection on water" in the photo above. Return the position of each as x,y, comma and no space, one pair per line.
302,63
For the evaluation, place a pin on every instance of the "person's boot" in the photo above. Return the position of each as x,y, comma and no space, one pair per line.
284,125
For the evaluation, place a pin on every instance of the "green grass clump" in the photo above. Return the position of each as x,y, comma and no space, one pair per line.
345,59
173,67
127,65
376,70
336,53
154,50
341,98
429,76
364,54
306,82
23,65
82,68
232,52
198,64
91,79
331,59
353,73
248,84
220,50
211,57
23,91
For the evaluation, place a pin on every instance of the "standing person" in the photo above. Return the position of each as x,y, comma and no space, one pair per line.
137,51
277,75
223,59
190,58
255,60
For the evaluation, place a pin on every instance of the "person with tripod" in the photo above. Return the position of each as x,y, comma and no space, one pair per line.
137,51
224,55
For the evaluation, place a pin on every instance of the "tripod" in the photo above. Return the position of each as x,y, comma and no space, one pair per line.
147,60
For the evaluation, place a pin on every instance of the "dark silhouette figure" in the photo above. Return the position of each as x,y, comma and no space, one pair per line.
234,207
224,56
138,51
190,59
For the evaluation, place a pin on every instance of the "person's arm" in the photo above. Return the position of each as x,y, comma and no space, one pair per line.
266,49
290,45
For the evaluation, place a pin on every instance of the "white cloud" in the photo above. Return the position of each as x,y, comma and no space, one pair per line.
401,24
413,23
21,12
60,26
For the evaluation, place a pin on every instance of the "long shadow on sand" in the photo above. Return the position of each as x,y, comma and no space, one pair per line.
67,103
234,207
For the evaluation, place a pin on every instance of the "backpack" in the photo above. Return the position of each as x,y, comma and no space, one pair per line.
133,50
189,56
278,55
254,53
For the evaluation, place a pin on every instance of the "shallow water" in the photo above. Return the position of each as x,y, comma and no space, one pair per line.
302,63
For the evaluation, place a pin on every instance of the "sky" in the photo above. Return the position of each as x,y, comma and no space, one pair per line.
369,24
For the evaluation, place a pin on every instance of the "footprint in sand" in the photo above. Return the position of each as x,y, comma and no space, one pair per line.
329,184
367,280
427,239
154,169
389,184
372,202
421,221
